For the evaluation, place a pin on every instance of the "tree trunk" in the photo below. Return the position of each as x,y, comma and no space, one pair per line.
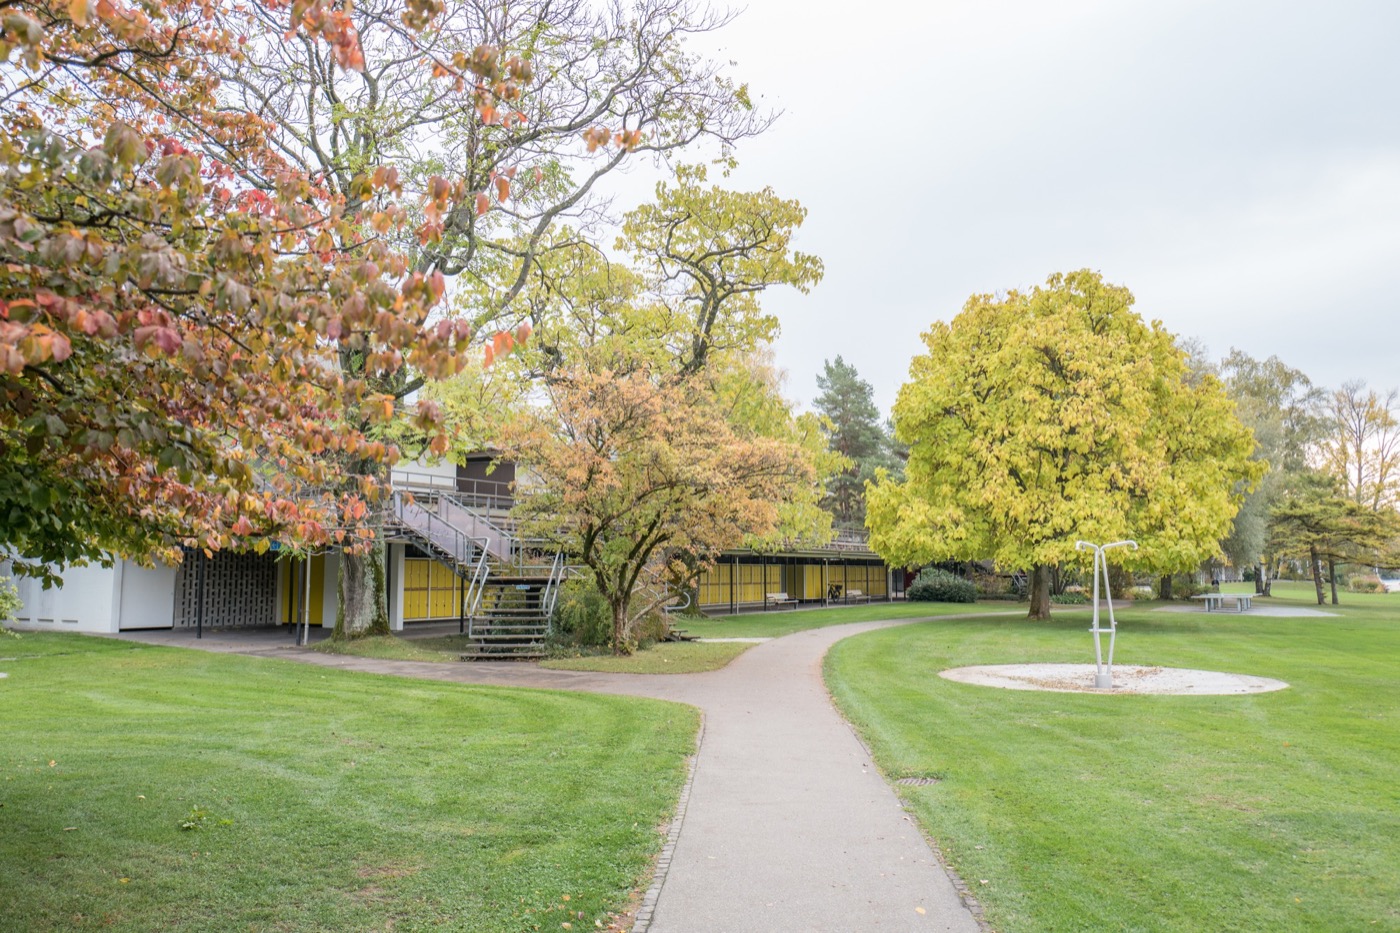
1316,563
620,644
1040,593
1259,588
364,602
1332,577
1164,587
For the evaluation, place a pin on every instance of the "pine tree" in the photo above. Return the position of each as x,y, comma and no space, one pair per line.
855,432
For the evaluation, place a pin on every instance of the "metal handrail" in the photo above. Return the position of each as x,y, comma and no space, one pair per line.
483,490
551,590
478,586
464,545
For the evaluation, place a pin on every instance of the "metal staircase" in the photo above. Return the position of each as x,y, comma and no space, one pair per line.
510,618
510,584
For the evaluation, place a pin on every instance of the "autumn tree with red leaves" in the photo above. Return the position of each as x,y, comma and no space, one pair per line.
225,228
169,332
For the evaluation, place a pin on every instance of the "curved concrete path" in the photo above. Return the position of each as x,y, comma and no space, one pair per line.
788,826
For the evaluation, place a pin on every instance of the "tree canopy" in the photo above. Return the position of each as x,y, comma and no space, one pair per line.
1039,418
1284,411
1362,447
651,419
1317,521
168,328
855,431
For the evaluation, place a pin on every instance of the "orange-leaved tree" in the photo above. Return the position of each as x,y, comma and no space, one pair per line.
642,476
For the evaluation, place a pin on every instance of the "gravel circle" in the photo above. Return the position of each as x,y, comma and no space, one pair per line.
1127,678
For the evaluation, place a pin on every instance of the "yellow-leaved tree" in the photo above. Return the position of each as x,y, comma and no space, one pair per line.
1040,418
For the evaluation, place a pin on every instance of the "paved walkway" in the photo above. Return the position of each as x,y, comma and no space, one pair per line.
788,827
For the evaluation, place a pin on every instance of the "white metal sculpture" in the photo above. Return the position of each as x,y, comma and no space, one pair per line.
1103,673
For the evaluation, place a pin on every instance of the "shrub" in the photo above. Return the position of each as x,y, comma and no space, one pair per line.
1069,599
581,616
1188,588
992,585
940,586
1365,583
9,604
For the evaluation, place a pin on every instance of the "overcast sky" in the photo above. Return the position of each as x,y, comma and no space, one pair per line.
1235,164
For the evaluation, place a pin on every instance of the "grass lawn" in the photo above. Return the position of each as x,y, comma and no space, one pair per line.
671,657
397,648
662,658
1276,811
316,799
777,622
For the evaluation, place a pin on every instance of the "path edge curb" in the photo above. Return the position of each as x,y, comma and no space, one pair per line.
642,921
969,900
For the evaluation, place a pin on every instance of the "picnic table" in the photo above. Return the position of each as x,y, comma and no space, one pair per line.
1213,601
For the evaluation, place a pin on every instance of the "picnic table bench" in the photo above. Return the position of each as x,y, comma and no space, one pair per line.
1215,601
778,599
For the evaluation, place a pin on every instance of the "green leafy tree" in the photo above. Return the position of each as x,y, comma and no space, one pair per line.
853,430
708,253
1040,418
1284,411
1317,521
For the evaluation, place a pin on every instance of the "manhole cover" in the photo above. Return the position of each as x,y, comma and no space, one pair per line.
918,781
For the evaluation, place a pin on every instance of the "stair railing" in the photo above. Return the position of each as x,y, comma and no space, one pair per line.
557,571
477,587
440,534
498,540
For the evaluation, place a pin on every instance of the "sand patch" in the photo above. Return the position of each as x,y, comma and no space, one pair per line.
1127,678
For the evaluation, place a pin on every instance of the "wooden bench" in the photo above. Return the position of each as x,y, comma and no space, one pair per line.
778,599
856,596
1215,601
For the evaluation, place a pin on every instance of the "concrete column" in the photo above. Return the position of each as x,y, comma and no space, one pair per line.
393,581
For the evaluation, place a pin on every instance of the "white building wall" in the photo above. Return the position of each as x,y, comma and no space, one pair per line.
146,596
99,599
439,474
86,601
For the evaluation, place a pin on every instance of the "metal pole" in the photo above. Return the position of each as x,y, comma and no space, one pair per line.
461,605
294,596
199,596
305,637
733,572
